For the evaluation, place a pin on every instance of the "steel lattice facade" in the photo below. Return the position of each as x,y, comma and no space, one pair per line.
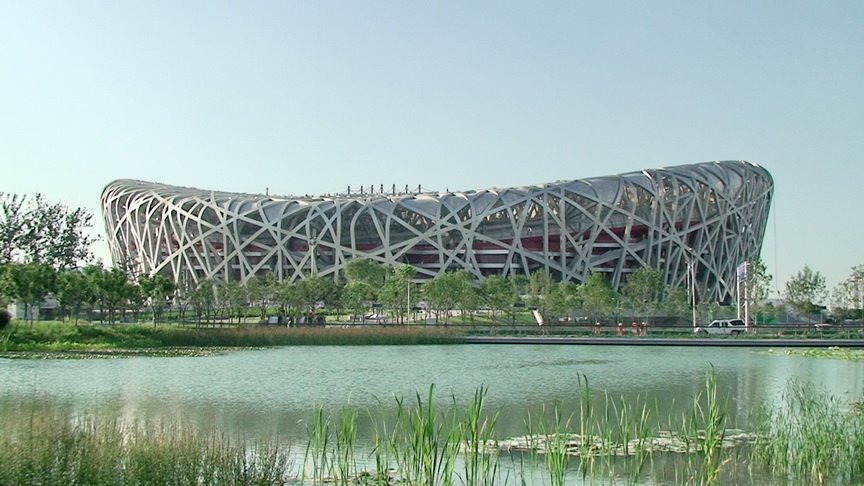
713,214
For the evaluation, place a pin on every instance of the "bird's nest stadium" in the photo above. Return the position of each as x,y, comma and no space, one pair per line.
711,216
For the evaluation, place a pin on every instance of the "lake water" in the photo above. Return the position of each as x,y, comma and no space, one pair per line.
274,392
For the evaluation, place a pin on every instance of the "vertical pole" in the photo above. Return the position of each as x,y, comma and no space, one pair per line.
746,298
692,273
738,294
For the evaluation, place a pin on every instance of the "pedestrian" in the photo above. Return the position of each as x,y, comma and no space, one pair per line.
620,328
597,328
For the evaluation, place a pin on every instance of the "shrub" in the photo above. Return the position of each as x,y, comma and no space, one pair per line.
5,317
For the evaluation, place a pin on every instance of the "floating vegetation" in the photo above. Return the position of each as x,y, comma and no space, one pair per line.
833,352
123,353
576,445
808,437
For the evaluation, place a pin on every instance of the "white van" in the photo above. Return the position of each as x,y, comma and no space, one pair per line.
723,326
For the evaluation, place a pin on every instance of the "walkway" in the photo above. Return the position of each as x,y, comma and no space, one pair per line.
648,341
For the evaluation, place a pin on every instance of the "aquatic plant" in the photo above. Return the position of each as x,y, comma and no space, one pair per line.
807,437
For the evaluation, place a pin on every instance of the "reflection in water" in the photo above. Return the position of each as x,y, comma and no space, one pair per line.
274,392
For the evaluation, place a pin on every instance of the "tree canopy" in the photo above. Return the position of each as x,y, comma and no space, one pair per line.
34,231
805,290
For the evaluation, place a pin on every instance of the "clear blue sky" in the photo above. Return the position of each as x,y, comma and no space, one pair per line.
310,97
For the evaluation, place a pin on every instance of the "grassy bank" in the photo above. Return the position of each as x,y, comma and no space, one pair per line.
56,336
809,438
53,336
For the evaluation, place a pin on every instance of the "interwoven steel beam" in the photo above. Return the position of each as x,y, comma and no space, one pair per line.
713,214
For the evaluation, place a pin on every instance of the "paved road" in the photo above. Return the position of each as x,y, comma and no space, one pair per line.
648,341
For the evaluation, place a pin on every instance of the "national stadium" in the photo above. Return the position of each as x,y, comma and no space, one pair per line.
703,219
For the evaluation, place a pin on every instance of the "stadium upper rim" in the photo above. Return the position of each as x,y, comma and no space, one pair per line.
686,171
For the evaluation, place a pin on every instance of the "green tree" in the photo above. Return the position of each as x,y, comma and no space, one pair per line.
677,303
112,290
38,232
448,291
597,296
855,289
562,299
156,290
203,300
315,290
757,282
520,283
30,284
235,297
847,297
263,291
540,286
365,270
358,295
497,293
12,214
6,289
398,286
290,299
644,290
75,291
805,290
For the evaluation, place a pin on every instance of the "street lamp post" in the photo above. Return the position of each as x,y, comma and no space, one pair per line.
691,276
312,244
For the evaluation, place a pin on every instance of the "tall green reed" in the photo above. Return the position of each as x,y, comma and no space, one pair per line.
346,438
476,432
703,429
53,449
432,443
811,436
318,448
556,438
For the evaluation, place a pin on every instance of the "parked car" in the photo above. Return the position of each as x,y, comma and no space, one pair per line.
723,326
376,318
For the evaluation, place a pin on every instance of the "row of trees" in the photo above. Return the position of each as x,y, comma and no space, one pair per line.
41,245
107,294
848,296
34,231
806,291
94,289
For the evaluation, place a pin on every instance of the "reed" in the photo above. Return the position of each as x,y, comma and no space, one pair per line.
315,459
703,430
346,438
713,418
431,443
53,336
811,437
476,432
555,437
51,449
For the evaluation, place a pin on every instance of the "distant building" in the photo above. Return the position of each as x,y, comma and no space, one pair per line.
47,309
712,214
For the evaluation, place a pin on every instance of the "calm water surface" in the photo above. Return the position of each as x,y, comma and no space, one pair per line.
274,392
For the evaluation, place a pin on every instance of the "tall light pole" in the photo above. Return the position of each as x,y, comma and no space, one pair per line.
312,244
691,276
